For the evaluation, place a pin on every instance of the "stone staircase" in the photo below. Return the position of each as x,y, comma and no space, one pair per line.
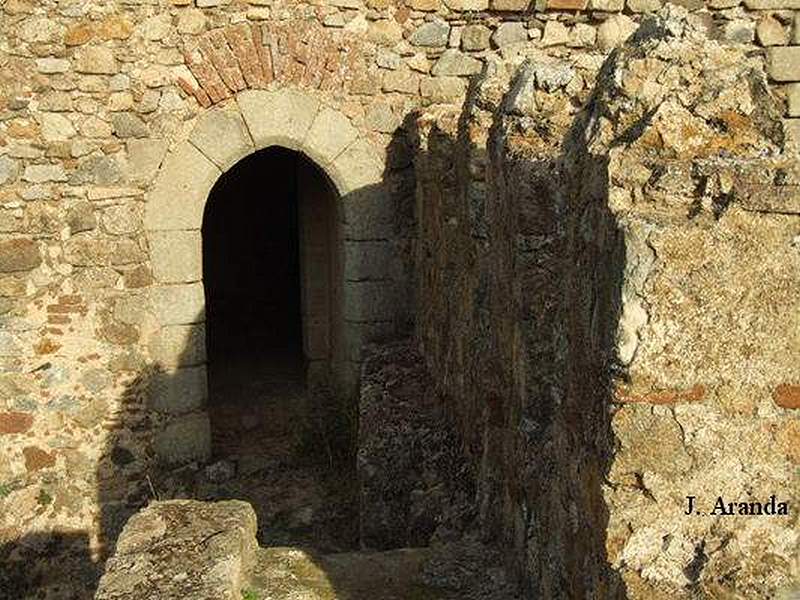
187,549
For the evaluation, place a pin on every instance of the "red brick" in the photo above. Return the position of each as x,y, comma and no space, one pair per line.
15,422
787,395
37,459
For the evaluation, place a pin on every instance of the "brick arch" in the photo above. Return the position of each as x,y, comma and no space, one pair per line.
174,211
225,61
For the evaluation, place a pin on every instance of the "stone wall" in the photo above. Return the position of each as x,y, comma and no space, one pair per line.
117,117
606,301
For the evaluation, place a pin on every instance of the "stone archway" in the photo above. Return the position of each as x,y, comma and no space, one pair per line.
254,120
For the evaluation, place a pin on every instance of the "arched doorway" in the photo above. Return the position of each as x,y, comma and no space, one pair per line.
270,264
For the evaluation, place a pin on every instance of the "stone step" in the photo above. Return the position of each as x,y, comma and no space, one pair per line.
295,574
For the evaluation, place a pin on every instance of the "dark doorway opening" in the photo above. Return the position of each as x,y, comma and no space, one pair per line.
251,271
270,266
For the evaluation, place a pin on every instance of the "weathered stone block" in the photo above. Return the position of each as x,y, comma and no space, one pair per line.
144,158
97,60
455,62
21,254
278,118
510,4
367,260
185,439
176,256
15,422
510,33
467,4
475,37
179,304
431,34
404,81
443,89
44,173
366,301
793,99
222,136
359,166
179,345
772,4
183,549
178,198
329,134
129,125
179,391
784,63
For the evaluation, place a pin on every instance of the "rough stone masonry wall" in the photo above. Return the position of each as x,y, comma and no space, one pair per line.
607,299
104,105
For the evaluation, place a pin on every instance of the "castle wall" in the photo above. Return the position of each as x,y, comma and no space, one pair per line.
607,303
117,117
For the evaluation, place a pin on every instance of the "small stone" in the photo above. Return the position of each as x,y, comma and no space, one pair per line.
121,220
475,37
95,127
56,102
119,82
607,5
15,422
44,173
401,80
120,101
96,60
156,28
128,125
510,33
380,117
221,471
431,34
741,31
792,97
770,32
79,35
386,59
424,5
614,31
21,254
52,65
9,170
443,89
582,36
37,459
40,30
784,63
551,77
191,21
386,32
455,62
643,6
114,27
555,34
464,5
81,218
515,5
144,158
56,127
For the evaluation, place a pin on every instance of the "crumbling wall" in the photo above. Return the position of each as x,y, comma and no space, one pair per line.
582,316
97,99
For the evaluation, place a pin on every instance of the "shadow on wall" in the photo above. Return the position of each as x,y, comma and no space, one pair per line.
520,267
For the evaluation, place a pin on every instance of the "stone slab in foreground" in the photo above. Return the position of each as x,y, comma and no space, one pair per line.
182,549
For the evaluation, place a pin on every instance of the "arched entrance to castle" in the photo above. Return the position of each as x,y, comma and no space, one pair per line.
271,278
